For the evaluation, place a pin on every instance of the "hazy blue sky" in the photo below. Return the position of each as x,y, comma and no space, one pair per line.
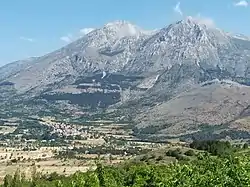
35,27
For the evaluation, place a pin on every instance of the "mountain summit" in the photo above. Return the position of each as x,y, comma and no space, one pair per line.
186,41
124,29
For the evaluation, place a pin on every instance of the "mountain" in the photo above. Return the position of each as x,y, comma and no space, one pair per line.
169,82
107,48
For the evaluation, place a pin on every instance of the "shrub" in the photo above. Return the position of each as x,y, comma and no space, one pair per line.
159,158
152,156
180,157
178,150
13,160
144,158
190,153
245,146
173,153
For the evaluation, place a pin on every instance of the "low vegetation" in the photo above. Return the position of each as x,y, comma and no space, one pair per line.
206,171
211,167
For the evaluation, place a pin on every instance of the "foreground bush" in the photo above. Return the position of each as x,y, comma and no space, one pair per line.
204,172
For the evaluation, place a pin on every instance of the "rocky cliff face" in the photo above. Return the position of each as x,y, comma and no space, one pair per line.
127,49
140,72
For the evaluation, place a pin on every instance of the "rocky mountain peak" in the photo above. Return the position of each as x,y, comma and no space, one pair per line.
121,46
187,32
109,35
192,31
124,29
191,21
186,41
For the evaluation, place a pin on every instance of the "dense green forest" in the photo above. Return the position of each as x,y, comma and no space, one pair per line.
208,169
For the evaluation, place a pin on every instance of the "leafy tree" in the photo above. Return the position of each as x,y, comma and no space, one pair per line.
245,146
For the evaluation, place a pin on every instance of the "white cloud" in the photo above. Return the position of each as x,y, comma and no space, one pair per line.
209,22
26,39
177,8
69,38
242,3
86,31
